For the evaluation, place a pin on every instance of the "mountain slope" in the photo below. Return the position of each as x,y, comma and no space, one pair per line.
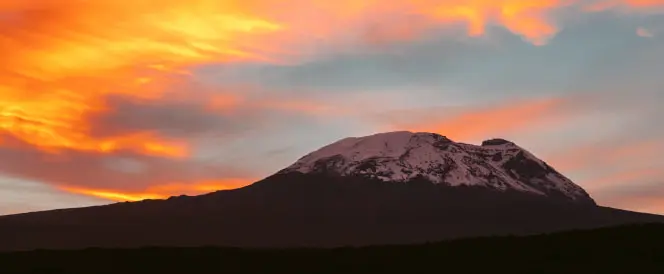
306,205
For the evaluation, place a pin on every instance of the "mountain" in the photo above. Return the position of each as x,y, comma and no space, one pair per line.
405,156
389,188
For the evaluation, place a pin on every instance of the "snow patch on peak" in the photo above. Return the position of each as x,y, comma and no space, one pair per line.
390,144
404,156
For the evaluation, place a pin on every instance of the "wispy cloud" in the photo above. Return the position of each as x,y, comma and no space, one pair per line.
123,173
586,157
643,192
483,121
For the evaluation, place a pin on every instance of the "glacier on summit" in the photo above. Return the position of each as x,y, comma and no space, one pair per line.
405,156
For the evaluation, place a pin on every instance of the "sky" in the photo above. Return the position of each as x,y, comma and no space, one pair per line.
115,100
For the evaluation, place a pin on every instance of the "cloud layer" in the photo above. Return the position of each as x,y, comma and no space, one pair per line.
126,100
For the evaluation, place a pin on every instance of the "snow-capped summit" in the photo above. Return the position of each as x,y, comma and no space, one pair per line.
334,197
404,156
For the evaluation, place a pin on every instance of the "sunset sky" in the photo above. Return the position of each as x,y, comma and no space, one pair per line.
113,100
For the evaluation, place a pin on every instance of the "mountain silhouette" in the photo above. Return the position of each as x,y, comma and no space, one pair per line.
388,188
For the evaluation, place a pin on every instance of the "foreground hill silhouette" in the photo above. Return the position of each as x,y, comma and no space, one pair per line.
629,249
391,188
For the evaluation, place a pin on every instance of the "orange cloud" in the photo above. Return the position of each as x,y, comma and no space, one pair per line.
526,18
603,155
653,205
489,121
625,177
623,173
405,19
646,199
61,60
122,175
530,19
162,191
636,189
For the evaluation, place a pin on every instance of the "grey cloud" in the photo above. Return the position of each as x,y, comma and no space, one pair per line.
594,56
23,196
176,119
644,194
651,187
89,169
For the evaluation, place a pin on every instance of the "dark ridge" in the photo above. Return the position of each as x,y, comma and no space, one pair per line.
625,249
310,210
496,142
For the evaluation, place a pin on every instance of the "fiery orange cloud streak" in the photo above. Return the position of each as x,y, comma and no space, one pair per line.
161,191
526,18
500,119
60,60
